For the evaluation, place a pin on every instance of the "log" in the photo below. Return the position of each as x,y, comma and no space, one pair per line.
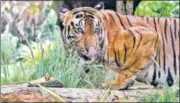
22,93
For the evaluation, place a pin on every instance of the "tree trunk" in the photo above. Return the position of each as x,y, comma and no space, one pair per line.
124,7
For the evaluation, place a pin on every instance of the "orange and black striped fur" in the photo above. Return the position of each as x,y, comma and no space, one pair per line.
130,45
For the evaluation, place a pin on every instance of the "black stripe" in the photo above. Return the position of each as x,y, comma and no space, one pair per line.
77,12
134,38
128,21
102,43
175,28
165,27
116,59
159,19
179,60
159,53
98,24
154,77
147,19
164,55
154,19
120,20
157,37
90,16
119,56
179,34
173,50
159,74
108,55
169,78
139,40
69,36
75,30
89,11
125,53
73,27
155,67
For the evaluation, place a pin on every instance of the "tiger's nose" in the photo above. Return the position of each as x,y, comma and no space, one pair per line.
91,53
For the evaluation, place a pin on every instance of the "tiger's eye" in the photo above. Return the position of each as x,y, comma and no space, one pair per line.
80,30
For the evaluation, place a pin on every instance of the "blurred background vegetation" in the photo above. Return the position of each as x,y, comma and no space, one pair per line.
31,44
158,8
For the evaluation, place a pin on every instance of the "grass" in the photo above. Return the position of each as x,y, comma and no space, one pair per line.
65,65
169,94
69,69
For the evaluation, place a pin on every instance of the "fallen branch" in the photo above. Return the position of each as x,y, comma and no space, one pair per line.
17,93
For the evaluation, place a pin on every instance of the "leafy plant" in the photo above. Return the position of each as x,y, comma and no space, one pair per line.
158,8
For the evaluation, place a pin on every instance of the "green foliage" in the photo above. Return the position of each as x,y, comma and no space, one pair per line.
169,94
28,21
158,8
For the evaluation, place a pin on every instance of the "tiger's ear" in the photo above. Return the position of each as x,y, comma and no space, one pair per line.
62,13
99,6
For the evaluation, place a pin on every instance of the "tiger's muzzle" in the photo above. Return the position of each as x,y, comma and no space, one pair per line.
90,54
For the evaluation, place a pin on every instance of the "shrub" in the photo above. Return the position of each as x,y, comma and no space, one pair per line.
158,8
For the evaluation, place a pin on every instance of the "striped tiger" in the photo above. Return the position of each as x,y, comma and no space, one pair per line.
142,48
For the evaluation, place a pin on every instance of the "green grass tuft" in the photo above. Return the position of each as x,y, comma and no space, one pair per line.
169,94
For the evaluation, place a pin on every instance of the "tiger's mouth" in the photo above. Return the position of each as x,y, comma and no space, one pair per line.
91,55
85,57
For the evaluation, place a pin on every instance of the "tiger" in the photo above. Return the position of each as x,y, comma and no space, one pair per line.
141,48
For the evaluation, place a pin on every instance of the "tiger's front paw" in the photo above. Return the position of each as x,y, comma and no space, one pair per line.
130,83
111,84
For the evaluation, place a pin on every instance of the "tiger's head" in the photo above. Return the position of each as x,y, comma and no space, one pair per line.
83,30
